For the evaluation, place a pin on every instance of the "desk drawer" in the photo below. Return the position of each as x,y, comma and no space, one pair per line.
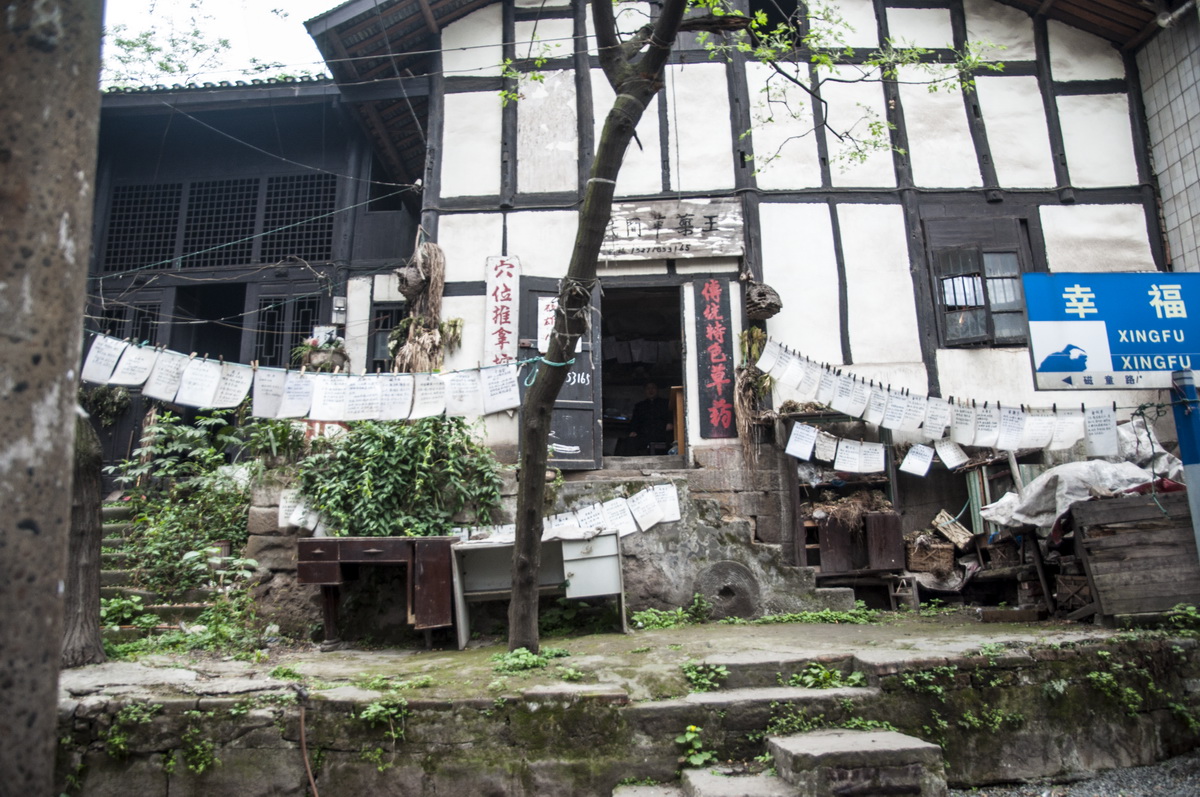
376,549
319,573
601,545
317,549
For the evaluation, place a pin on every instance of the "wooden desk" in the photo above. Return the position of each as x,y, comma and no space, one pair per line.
331,561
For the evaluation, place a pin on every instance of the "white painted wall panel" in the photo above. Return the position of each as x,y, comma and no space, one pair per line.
799,262
471,309
852,107
881,307
1098,140
1017,133
641,172
468,239
547,135
543,240
852,22
1078,55
471,165
545,38
939,141
913,376
358,321
1008,29
471,46
920,27
785,146
699,143
1096,238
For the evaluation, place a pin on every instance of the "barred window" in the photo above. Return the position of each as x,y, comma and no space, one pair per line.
143,222
298,217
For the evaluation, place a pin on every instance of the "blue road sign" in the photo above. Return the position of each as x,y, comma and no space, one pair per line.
1108,331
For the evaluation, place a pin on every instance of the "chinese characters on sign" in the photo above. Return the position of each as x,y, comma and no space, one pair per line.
1112,330
500,343
673,229
714,343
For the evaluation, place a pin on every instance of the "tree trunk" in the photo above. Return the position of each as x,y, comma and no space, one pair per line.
81,611
635,85
49,64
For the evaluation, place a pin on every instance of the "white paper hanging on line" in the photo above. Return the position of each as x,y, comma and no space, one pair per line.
914,414
288,501
591,517
793,375
1039,427
329,397
876,406
801,441
364,398
826,447
872,458
807,389
848,456
897,408
429,396
500,389
102,359
464,396
163,382
395,396
135,366
987,425
235,383
668,500
950,454
304,517
860,394
619,516
297,395
843,387
917,460
783,358
1068,429
1100,425
826,385
937,417
962,427
766,359
198,385
267,393
645,509
1012,425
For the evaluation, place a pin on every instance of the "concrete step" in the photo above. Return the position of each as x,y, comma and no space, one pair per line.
712,782
172,613
114,512
656,790
115,578
148,597
114,561
117,529
849,763
756,671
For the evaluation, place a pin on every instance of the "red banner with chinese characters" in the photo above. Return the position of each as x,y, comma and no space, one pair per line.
714,345
500,341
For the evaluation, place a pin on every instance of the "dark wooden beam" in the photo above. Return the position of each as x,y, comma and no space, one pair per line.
430,22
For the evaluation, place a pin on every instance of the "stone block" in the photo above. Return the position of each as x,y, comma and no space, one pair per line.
265,490
768,529
263,520
274,553
859,763
709,783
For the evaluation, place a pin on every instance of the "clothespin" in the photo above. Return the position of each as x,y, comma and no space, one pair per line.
254,365
1054,407
192,356
1114,406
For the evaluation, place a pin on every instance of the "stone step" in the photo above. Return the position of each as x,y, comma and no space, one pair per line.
148,597
847,763
172,613
711,782
756,671
116,543
113,561
117,529
115,578
655,790
114,512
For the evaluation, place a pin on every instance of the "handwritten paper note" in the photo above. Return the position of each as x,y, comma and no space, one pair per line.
843,387
297,395
364,398
500,389
163,382
872,458
1012,424
1068,429
917,460
135,366
876,406
860,394
288,501
914,414
826,447
645,509
897,408
937,417
668,500
464,396
848,456
951,455
198,385
1039,428
768,357
807,389
591,517
619,516
783,359
1100,425
801,441
395,396
826,386
268,392
987,425
962,428
234,385
329,397
793,374
429,396
102,358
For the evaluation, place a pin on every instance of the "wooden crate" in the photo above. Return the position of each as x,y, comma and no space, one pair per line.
937,557
1072,592
1005,553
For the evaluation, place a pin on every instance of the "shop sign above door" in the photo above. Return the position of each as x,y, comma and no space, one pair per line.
673,228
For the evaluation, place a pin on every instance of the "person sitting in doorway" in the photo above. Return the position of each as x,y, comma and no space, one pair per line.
650,428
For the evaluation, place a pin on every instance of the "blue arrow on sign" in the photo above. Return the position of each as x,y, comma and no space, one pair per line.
1068,381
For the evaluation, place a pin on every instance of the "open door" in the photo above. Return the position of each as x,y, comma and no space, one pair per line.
576,433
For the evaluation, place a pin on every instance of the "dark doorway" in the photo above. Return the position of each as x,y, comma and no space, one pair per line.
209,319
642,345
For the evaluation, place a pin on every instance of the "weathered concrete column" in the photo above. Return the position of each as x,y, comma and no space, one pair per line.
49,104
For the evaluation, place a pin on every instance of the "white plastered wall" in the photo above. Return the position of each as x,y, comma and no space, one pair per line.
1008,30
1078,55
852,24
699,127
545,38
1098,139
547,135
1096,238
468,240
471,46
852,107
881,308
785,145
1017,133
471,141
920,27
543,240
641,171
941,149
